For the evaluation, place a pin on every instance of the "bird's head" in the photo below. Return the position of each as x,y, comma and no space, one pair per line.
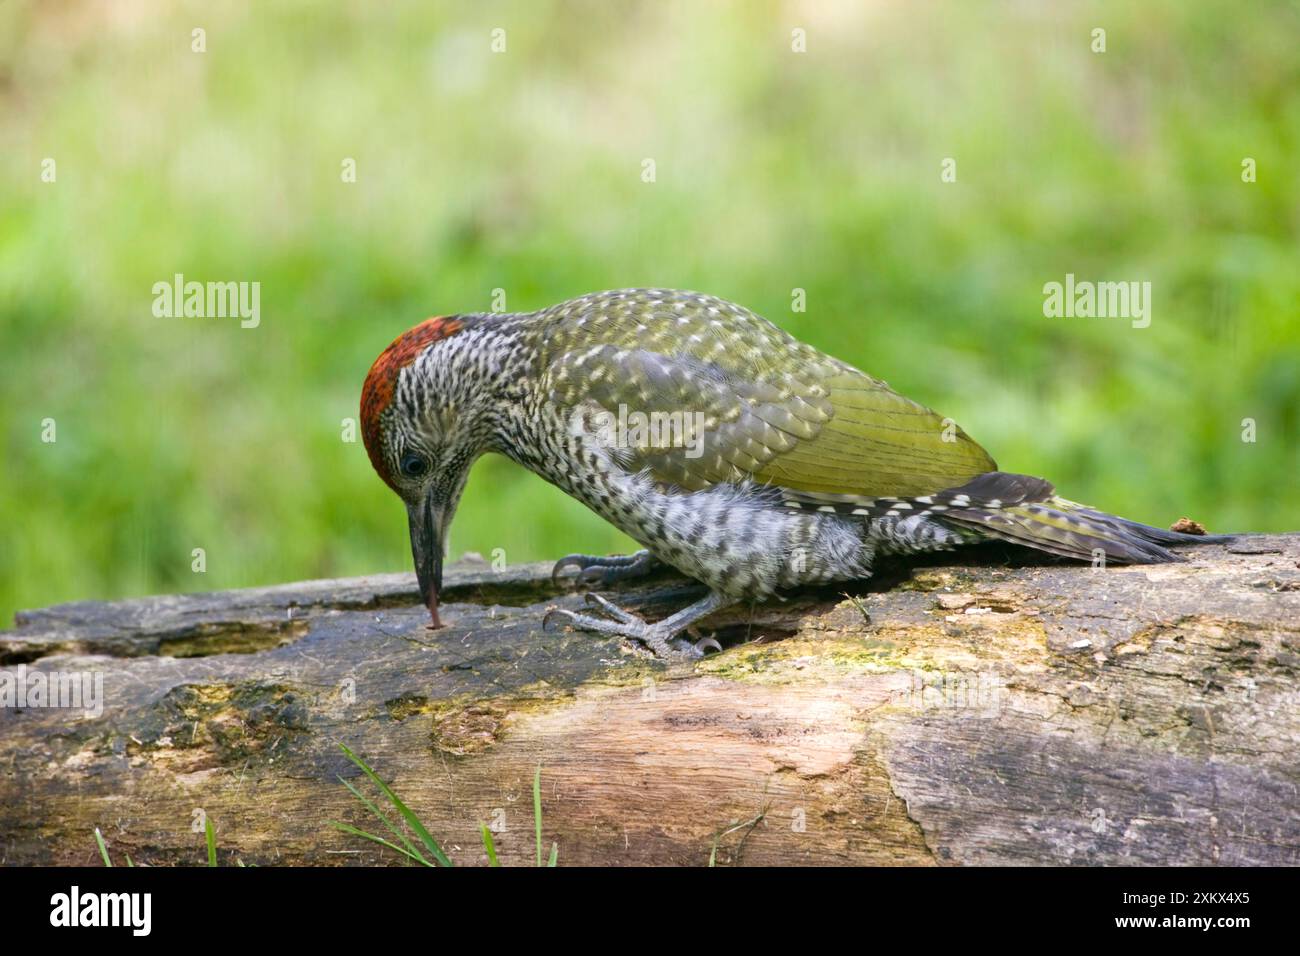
421,430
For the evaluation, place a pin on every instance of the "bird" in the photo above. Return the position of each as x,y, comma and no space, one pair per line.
746,459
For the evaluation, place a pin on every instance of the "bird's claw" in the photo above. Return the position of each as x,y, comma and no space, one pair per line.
578,561
613,610
624,623
602,569
704,642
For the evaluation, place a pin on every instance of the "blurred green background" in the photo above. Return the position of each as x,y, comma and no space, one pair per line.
521,170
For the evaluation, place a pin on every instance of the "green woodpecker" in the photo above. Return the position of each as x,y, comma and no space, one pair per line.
744,458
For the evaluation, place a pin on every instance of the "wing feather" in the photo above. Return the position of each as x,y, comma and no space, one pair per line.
755,403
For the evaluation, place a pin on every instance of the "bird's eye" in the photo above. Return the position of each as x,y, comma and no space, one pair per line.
413,466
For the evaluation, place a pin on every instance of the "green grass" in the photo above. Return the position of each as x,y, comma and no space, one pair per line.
521,171
103,850
489,845
407,848
537,821
432,854
209,840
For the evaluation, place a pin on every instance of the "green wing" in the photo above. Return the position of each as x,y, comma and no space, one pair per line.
878,444
750,402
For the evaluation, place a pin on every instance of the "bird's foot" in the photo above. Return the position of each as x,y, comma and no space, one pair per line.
604,569
661,638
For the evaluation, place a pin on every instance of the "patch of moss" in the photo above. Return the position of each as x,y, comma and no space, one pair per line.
234,720
799,658
936,579
408,705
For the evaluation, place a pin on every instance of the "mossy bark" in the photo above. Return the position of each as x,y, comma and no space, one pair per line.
982,707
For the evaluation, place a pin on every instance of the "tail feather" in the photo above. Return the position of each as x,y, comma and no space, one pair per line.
1055,526
1161,535
1066,528
1021,509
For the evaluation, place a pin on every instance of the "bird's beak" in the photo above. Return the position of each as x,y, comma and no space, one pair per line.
426,518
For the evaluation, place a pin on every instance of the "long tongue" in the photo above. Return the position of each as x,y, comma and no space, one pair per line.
432,604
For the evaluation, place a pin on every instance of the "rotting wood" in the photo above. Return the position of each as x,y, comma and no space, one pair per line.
985,707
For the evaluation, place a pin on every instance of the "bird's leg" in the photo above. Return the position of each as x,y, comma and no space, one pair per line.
659,637
598,569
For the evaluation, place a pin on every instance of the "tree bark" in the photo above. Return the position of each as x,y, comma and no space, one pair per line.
987,706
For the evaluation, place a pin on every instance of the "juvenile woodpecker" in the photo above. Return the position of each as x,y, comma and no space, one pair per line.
773,465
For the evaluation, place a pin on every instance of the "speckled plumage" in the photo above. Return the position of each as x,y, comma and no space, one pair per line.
799,467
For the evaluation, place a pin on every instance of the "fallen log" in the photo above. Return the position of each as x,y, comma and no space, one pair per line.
986,707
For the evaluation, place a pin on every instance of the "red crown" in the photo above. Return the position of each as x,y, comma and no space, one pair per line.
381,382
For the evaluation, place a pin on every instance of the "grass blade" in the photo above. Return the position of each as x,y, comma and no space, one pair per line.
488,845
555,854
537,810
211,836
103,850
392,827
411,819
349,828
